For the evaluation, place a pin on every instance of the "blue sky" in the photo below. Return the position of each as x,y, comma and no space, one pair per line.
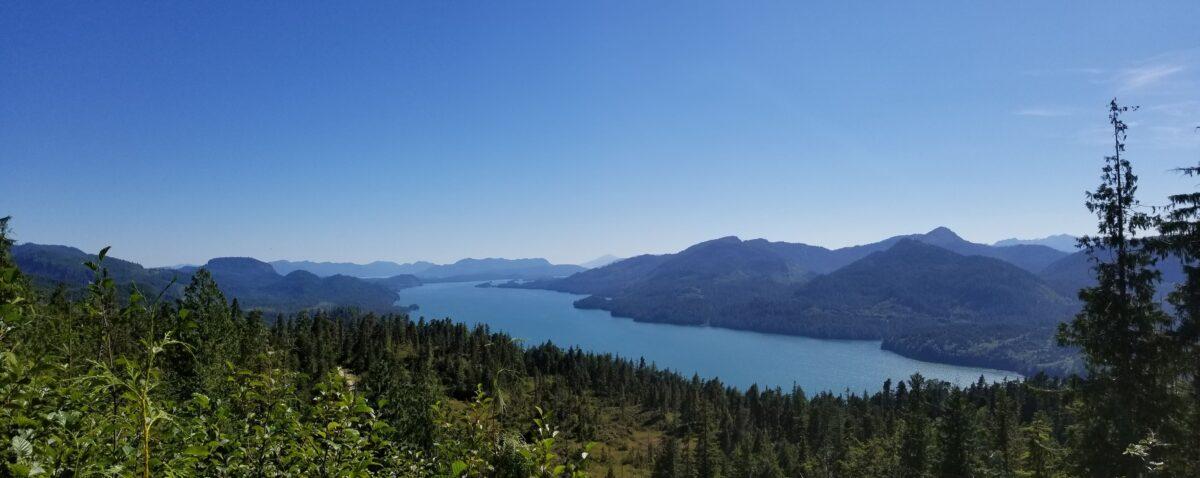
180,131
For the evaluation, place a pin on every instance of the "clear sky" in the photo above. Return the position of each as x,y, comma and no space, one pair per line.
180,131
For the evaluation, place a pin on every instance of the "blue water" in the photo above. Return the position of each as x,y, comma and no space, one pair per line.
736,357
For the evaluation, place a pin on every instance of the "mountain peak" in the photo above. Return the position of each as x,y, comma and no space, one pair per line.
942,233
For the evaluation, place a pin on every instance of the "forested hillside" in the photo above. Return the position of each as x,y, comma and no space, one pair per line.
1072,273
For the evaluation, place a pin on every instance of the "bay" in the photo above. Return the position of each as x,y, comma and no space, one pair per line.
738,358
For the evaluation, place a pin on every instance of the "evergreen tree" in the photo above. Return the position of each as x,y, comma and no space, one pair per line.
1121,331
1180,229
709,456
1005,452
957,435
667,462
12,284
914,441
1042,454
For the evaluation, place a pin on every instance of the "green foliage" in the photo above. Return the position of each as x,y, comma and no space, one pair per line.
197,388
1180,234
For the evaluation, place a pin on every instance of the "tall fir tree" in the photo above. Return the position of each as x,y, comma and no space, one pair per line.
1121,331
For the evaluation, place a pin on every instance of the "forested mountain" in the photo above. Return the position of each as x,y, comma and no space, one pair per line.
932,304
376,269
699,285
49,265
913,281
887,289
1072,273
1063,242
397,282
254,283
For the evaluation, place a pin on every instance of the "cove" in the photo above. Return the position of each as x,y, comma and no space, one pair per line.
738,358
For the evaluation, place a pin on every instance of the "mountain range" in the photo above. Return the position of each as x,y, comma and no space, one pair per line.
254,283
933,295
761,257
462,270
375,269
282,286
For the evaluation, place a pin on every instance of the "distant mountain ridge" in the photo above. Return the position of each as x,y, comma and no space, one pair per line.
254,283
496,268
1032,258
600,261
1063,242
376,269
462,270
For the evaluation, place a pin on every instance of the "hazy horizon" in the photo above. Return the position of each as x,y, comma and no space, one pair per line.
115,252
433,131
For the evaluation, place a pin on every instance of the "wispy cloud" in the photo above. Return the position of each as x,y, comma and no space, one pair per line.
1169,72
1044,112
1143,76
1169,69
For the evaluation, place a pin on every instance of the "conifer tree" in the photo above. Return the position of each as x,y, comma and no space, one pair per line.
667,462
914,442
1121,332
957,435
1180,233
709,457
1041,456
